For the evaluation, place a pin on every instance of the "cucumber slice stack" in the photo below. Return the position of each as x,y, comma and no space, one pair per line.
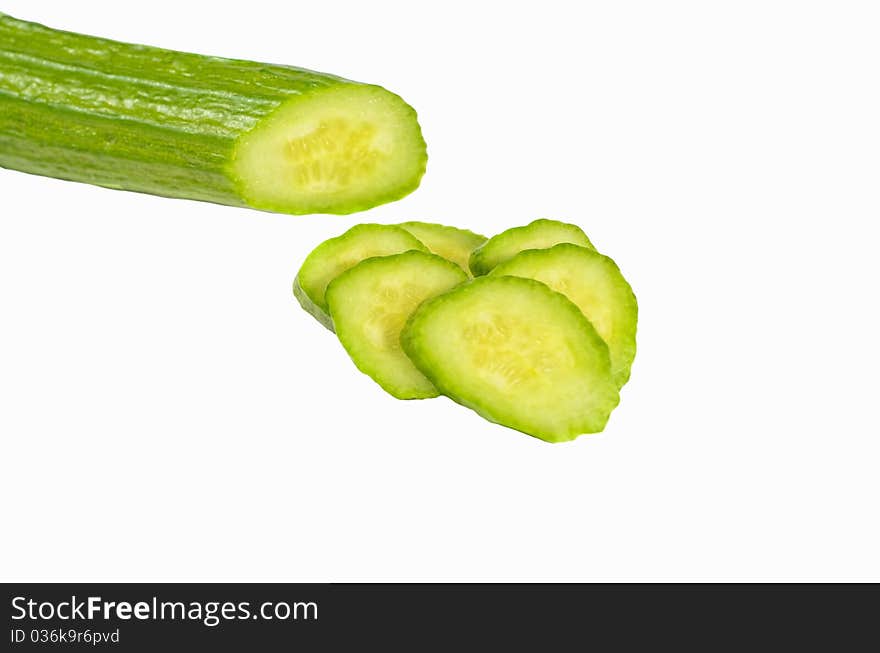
541,340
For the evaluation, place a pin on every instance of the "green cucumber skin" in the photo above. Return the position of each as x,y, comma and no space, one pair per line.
138,118
311,307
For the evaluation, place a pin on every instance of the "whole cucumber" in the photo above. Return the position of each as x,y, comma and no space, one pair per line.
185,125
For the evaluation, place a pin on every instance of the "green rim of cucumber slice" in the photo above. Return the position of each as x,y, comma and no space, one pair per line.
538,234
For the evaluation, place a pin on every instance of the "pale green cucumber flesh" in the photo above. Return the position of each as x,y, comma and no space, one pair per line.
185,125
336,255
337,150
595,284
516,352
369,305
451,243
538,234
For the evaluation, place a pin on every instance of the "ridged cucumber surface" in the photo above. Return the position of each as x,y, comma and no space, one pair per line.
535,235
595,284
336,255
451,243
170,123
370,304
516,352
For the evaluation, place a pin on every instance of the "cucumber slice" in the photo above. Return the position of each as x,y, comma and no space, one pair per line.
451,243
336,255
535,235
185,125
371,302
594,283
517,353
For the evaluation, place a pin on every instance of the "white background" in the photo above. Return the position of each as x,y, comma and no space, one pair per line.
169,413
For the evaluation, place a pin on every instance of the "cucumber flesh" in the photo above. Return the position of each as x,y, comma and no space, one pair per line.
369,305
451,243
177,124
336,255
535,235
348,147
516,352
596,286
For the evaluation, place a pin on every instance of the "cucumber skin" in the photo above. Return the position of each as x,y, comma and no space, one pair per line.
418,354
311,307
139,118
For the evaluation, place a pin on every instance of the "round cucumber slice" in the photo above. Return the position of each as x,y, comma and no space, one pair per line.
535,235
451,243
369,305
336,255
595,284
517,353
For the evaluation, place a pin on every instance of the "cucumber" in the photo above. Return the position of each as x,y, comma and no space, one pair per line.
184,125
451,243
535,235
596,286
336,255
371,302
516,352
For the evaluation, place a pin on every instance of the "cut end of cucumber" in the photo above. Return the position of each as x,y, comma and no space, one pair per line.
517,353
335,150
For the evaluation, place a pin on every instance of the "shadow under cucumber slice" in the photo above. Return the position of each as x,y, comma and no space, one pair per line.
517,353
369,305
596,286
336,255
535,235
